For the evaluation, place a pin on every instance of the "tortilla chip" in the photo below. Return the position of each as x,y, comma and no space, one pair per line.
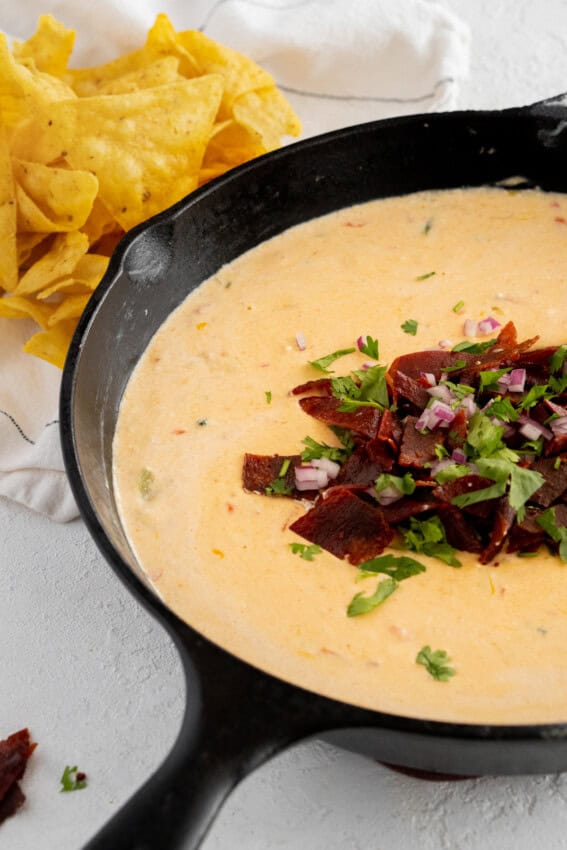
158,73
99,223
267,114
146,148
50,47
58,262
8,249
20,307
86,276
52,345
52,199
70,308
27,247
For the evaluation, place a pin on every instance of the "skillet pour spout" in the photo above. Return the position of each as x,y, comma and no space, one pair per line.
238,716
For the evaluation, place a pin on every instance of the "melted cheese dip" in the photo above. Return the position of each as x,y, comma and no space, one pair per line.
197,402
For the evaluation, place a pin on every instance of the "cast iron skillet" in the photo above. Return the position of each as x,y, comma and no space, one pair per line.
236,716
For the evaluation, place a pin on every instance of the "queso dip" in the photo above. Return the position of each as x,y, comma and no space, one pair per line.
214,384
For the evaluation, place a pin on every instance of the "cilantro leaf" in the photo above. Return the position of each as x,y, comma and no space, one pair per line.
405,484
409,327
427,226
315,450
73,779
435,662
428,536
458,306
362,604
371,392
475,496
458,364
146,482
452,472
502,408
323,363
268,395
489,379
523,484
277,487
548,522
474,347
304,551
558,358
370,347
425,276
397,567
534,394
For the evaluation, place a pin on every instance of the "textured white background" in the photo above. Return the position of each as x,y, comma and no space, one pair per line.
99,683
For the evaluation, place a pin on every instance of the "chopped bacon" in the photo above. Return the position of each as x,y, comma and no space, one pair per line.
259,471
363,421
418,449
346,526
348,522
14,754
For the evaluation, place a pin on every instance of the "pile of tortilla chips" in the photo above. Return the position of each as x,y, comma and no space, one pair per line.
86,154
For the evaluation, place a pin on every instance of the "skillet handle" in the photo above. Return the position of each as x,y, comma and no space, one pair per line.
236,718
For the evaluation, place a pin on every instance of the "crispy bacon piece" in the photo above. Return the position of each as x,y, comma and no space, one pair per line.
556,445
322,385
410,389
458,431
14,754
259,471
459,532
360,469
466,484
417,449
363,421
406,508
435,362
503,522
555,480
346,526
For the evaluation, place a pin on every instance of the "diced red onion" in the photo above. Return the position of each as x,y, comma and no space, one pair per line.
458,456
429,377
442,393
445,343
310,478
360,343
503,383
424,420
470,327
329,466
300,340
469,405
389,495
442,412
556,408
368,365
559,426
487,406
439,465
533,430
517,380
487,326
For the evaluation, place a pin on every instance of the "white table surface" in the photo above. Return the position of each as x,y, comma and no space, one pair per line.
99,684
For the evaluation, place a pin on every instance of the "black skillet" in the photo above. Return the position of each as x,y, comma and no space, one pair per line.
236,716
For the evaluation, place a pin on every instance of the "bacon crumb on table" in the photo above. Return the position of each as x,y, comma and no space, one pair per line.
14,754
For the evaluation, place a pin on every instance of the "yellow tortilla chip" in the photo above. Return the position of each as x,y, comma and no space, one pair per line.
52,345
19,307
28,245
86,276
70,308
58,262
8,248
88,82
146,148
99,223
158,73
52,199
267,114
163,40
50,47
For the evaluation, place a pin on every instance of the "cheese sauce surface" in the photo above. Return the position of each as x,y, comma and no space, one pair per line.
198,401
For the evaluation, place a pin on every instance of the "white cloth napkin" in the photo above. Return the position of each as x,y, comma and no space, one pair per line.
340,63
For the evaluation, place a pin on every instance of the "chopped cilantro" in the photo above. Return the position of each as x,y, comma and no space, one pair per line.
425,276
361,604
458,306
458,390
345,436
268,395
556,462
441,452
502,408
528,554
315,450
503,471
474,347
489,379
409,327
277,487
323,363
405,484
397,567
451,472
557,385
427,226
304,551
548,522
371,392
532,447
345,386
436,663
534,394
557,359
146,483
202,422
484,437
458,364
370,347
73,779
428,536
